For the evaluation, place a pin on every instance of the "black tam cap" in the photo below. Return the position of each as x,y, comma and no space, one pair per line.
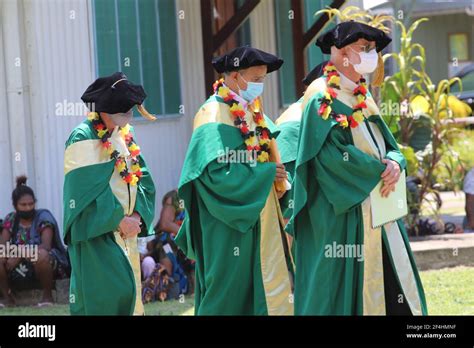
246,57
318,71
113,94
346,33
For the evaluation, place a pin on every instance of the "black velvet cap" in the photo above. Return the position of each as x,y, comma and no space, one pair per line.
318,71
113,94
246,57
346,33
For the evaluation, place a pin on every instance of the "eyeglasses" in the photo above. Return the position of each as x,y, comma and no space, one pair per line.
366,48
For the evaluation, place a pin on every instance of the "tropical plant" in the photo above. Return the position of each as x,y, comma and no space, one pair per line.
409,95
402,86
354,13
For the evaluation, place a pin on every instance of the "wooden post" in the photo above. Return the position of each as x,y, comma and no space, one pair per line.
211,41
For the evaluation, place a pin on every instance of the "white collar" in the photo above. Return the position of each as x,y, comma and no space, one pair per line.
346,82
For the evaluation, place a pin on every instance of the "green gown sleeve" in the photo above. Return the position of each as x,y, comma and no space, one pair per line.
397,156
345,174
288,141
286,200
288,145
145,203
90,207
235,193
95,217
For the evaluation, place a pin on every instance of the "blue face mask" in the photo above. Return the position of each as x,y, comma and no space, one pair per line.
253,91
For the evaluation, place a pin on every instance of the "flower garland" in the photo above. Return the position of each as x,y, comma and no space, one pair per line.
261,136
130,177
333,80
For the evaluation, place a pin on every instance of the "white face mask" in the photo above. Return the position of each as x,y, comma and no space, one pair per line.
368,61
122,119
253,91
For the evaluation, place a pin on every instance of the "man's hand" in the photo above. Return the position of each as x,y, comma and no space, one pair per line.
129,227
390,177
136,216
12,263
281,174
280,194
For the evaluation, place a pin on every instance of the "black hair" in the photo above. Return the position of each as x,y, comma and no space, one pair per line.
173,194
21,190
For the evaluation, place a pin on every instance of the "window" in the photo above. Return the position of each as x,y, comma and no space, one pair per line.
223,11
284,33
139,38
314,54
285,51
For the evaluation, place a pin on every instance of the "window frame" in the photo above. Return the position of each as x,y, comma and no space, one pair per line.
162,114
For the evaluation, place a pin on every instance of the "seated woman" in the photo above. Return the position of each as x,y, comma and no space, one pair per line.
37,231
163,253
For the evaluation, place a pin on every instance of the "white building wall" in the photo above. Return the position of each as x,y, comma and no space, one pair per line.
57,52
15,109
5,144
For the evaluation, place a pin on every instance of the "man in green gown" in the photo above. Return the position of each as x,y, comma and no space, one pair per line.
233,225
109,198
344,264
289,125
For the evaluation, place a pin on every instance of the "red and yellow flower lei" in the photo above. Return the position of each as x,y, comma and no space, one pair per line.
130,177
333,80
258,140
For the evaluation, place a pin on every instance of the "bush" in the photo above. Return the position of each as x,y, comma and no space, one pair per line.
462,148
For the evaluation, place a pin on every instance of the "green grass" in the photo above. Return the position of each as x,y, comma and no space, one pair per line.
172,307
53,310
449,291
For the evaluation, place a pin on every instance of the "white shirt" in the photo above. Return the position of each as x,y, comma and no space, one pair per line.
346,82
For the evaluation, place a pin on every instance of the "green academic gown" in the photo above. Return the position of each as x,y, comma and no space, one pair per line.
233,224
289,125
105,277
336,169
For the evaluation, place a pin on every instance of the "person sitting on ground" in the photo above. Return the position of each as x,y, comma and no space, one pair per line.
172,214
27,226
169,224
171,219
164,254
157,269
